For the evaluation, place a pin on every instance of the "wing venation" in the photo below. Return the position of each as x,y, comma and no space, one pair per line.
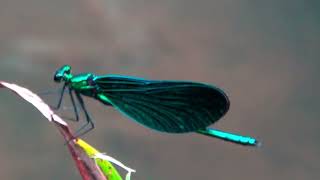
168,106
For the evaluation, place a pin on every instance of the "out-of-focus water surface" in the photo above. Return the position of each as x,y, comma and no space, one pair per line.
265,55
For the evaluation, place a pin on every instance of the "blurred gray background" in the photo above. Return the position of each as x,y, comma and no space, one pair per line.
265,55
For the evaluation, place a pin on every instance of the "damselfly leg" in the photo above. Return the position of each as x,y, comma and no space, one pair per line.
89,122
60,98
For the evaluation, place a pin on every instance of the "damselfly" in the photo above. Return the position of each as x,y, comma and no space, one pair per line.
162,105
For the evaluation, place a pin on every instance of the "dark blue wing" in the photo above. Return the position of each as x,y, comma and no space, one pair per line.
168,106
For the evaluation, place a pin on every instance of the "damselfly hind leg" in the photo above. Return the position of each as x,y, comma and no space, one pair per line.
89,125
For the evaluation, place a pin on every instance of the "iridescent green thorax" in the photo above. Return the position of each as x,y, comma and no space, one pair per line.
84,84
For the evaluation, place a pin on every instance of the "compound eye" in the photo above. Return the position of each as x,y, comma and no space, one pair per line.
57,78
61,72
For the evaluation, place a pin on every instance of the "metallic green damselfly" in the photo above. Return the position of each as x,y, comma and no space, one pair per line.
162,105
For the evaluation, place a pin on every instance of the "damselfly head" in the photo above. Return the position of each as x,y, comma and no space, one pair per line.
62,73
